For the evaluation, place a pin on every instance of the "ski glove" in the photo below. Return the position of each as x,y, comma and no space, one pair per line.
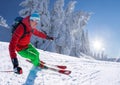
16,68
49,38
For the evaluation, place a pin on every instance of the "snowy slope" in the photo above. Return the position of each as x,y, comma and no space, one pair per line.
84,71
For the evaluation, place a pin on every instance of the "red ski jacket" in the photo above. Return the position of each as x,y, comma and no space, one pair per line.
17,43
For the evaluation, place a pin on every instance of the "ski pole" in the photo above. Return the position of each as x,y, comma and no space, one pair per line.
7,71
47,45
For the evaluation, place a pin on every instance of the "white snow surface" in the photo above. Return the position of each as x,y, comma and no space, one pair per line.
84,71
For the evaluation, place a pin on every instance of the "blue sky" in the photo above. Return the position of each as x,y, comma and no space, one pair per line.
103,24
9,9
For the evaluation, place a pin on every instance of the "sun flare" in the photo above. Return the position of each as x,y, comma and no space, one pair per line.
98,45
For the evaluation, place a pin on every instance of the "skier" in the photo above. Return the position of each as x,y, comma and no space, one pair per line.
23,45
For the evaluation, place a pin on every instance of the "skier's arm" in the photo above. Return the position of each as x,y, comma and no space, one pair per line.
12,47
42,35
14,40
39,33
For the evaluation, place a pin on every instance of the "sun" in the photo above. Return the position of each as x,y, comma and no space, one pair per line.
98,45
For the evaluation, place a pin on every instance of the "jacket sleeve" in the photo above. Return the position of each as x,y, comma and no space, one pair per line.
39,34
14,40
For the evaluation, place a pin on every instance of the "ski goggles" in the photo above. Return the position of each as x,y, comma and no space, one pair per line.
37,21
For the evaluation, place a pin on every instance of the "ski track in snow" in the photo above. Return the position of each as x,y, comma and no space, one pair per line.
84,71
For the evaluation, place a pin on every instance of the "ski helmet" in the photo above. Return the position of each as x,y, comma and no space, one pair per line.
35,16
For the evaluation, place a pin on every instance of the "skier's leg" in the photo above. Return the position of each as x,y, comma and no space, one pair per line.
32,54
33,49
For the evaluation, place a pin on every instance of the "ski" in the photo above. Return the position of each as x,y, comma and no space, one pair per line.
57,66
62,71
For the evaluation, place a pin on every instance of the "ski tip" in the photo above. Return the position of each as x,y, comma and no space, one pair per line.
66,72
62,67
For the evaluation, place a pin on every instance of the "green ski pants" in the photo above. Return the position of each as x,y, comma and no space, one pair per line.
31,53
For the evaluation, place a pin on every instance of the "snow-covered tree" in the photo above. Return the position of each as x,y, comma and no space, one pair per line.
29,7
65,39
57,18
100,55
68,24
83,43
3,22
86,44
80,20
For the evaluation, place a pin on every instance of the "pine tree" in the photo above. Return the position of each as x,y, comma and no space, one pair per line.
29,6
57,17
